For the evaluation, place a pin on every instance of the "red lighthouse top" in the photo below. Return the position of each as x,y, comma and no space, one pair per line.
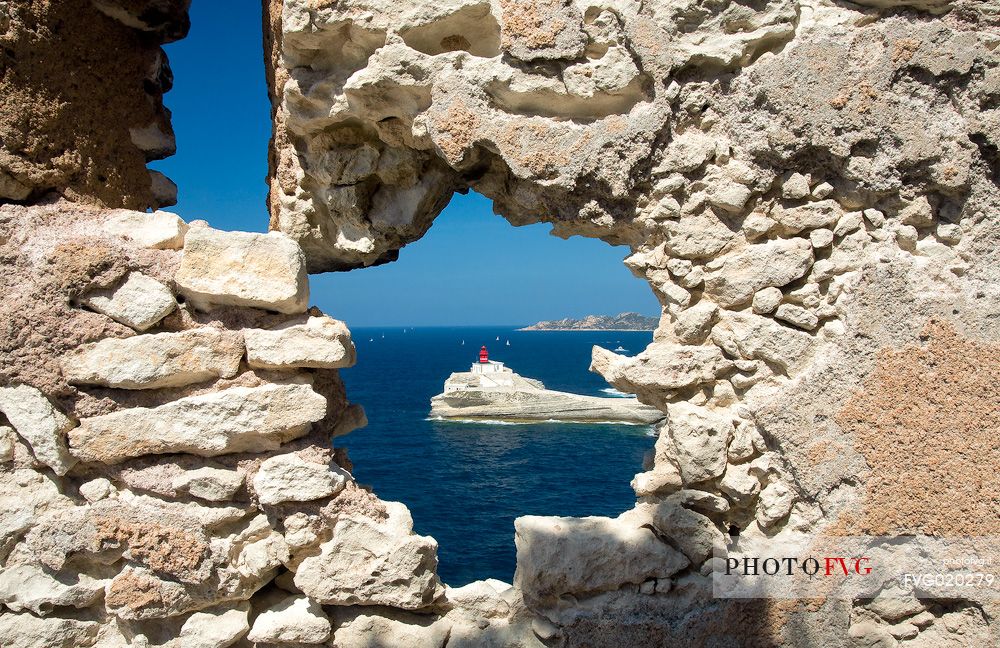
484,355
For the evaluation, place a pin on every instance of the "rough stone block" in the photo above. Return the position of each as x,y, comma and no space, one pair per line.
156,360
308,341
238,419
243,269
40,424
139,302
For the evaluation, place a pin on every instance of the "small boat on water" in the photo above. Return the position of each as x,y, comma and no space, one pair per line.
620,349
508,342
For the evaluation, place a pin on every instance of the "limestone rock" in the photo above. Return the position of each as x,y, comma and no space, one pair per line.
96,489
792,220
373,563
295,619
697,236
154,361
694,324
660,369
24,587
481,599
238,419
7,440
40,424
243,269
742,273
289,478
213,628
207,483
557,556
139,302
739,484
730,196
700,440
766,301
875,217
919,213
26,496
797,316
821,238
160,230
662,479
359,627
949,233
308,341
700,500
848,223
29,631
775,503
795,187
692,532
761,338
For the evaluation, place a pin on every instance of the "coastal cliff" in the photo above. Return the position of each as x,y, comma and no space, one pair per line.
470,396
622,322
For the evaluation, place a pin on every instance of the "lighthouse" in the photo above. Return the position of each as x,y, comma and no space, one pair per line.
485,365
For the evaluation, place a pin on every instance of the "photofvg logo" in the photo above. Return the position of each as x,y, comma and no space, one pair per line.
790,565
852,567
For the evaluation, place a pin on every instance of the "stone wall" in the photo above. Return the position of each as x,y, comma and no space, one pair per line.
167,477
81,99
810,189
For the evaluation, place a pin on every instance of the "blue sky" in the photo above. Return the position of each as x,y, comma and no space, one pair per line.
221,117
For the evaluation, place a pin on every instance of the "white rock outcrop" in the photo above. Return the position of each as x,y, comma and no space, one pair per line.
808,187
700,439
362,628
756,267
28,631
660,370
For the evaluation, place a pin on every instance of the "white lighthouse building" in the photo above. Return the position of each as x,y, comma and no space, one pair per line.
484,374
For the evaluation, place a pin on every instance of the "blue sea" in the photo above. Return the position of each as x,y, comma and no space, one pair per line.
466,482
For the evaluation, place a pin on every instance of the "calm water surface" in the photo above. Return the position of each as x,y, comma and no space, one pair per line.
465,483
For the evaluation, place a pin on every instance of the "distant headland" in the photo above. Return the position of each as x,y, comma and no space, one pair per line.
621,322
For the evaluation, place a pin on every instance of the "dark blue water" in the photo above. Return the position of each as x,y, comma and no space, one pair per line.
465,483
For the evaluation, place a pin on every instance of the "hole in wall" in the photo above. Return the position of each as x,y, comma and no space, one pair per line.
474,278
464,484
